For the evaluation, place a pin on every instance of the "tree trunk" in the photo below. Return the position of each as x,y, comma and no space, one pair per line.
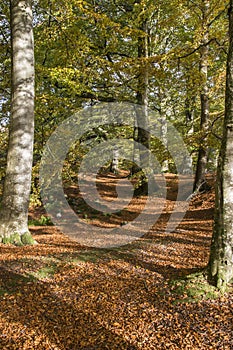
17,185
163,129
190,114
221,254
143,136
202,153
115,161
142,122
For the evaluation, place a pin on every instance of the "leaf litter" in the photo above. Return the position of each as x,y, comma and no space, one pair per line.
150,294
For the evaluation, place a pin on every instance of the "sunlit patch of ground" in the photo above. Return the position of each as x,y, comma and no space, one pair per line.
149,294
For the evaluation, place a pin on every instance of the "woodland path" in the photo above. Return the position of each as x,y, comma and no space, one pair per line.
59,295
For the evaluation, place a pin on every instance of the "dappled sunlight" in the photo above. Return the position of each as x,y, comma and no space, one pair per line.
61,295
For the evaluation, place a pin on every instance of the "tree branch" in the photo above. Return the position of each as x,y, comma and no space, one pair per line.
200,46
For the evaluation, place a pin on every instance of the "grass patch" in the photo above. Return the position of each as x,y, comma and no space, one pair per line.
193,288
4,292
96,255
43,221
83,257
13,282
48,270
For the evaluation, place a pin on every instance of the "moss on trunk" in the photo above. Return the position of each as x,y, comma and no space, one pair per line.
18,240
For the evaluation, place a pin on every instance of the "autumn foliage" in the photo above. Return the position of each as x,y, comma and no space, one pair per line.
150,294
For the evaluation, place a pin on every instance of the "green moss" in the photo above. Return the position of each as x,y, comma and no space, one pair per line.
193,288
3,292
43,221
19,240
14,238
47,271
27,239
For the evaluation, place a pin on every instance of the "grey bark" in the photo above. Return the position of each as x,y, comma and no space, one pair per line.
17,185
190,114
202,153
221,254
163,129
143,136
115,161
142,118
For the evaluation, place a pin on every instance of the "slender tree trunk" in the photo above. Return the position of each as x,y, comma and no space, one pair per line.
115,161
221,254
190,114
163,129
143,136
142,116
142,122
202,153
17,185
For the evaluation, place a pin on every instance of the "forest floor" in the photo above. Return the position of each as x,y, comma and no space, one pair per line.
148,294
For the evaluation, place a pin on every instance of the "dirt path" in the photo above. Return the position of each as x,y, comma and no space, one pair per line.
62,296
